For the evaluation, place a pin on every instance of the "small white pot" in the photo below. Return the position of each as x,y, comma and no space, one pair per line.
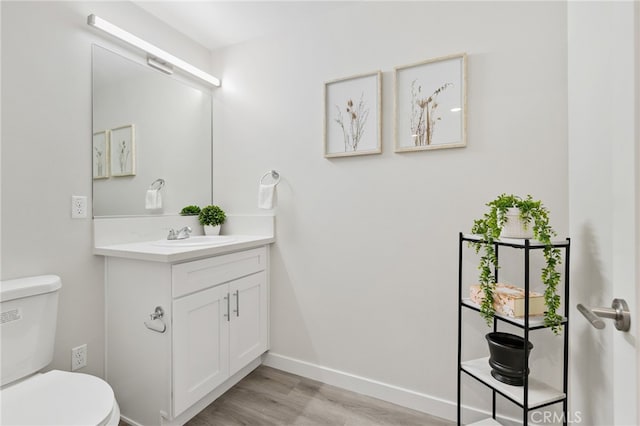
212,230
514,227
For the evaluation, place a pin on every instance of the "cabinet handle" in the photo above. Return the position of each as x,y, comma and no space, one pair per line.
228,303
237,309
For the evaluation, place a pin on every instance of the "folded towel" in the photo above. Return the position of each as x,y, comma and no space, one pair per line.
153,199
266,195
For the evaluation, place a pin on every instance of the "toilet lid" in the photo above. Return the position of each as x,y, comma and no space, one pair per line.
57,398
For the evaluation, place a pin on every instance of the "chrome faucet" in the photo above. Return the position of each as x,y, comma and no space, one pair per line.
180,234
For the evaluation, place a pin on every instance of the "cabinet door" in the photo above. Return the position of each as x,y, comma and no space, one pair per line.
200,345
249,320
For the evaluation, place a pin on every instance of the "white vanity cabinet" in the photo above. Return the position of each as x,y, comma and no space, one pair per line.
231,316
216,317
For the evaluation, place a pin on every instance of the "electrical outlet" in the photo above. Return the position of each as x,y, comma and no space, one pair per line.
79,357
78,207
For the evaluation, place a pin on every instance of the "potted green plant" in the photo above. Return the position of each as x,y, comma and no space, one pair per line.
190,211
212,217
531,218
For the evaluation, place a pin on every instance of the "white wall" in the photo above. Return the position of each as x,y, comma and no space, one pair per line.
364,274
46,152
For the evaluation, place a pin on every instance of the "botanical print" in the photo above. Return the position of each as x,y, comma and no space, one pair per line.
123,155
430,104
100,155
122,151
356,120
352,116
423,114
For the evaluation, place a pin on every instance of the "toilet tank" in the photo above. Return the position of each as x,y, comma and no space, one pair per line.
29,308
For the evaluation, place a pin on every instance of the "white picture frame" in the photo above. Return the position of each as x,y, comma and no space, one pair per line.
352,115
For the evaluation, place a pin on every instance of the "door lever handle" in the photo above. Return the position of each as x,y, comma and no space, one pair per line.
619,312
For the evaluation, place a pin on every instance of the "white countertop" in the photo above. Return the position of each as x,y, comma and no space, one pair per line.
150,251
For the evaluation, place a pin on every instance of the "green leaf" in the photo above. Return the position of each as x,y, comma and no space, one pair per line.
489,227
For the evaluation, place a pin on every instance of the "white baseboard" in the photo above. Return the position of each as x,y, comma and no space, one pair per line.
404,397
394,394
129,421
407,398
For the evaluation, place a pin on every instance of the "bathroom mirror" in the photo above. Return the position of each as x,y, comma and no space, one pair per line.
147,126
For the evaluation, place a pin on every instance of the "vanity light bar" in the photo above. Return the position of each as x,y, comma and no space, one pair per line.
160,66
150,49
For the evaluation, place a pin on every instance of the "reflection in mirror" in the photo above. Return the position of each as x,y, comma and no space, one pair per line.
147,126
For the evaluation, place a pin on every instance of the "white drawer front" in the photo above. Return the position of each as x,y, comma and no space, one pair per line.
194,276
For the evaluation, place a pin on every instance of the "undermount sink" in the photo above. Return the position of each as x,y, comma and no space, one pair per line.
196,241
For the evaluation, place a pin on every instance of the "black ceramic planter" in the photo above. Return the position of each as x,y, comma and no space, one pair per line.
507,357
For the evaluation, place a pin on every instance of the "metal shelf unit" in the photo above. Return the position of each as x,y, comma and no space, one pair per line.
533,394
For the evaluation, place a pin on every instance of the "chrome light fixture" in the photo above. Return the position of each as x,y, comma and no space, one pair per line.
156,53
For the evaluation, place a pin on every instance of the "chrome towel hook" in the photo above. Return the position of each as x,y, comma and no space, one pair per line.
274,175
155,323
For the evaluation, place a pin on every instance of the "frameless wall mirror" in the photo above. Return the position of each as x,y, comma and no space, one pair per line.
147,126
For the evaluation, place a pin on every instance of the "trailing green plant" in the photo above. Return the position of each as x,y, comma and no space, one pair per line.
212,215
534,214
190,211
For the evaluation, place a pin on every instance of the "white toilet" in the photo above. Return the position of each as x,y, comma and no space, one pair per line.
28,326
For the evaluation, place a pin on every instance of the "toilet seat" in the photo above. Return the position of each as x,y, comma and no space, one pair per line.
58,398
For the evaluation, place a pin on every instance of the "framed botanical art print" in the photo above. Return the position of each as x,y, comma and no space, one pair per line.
431,104
101,155
352,116
123,151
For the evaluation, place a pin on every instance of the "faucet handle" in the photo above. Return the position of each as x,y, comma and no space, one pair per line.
172,234
183,233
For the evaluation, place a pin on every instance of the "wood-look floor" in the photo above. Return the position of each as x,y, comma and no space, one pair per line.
272,397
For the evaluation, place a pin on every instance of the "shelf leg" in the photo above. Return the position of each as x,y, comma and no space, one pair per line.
459,399
565,379
527,289
495,328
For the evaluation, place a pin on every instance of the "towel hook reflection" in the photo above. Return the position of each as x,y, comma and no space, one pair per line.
157,184
274,175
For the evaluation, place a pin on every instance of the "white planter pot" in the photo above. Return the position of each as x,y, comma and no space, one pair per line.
514,227
212,230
